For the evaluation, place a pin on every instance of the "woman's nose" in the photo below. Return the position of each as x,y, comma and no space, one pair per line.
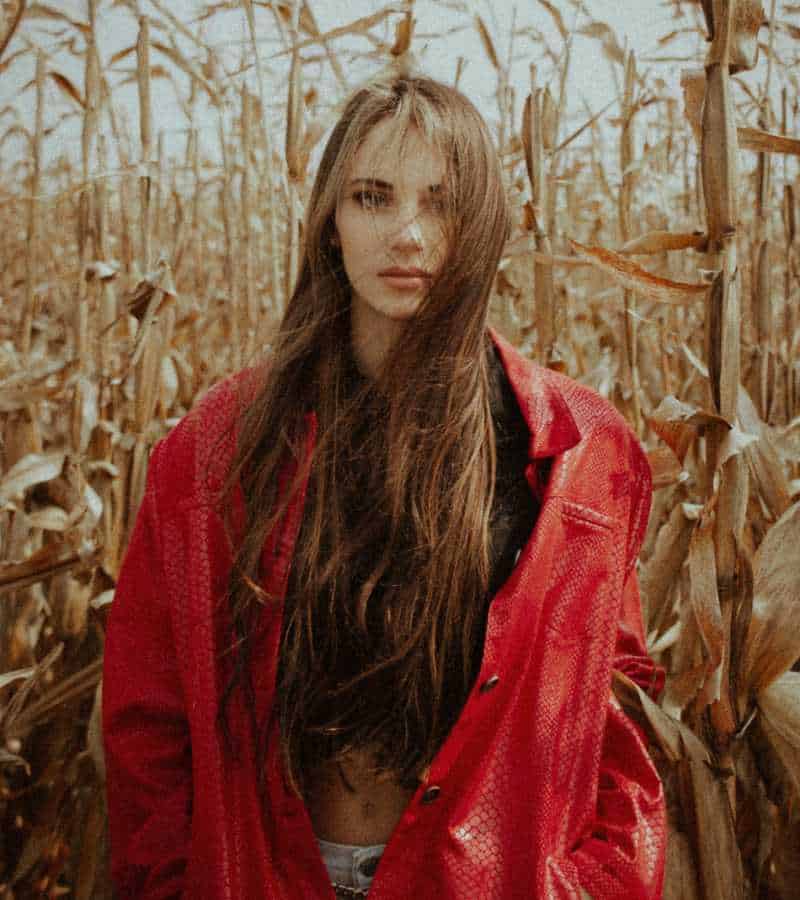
408,231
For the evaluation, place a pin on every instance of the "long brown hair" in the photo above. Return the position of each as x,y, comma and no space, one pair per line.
430,446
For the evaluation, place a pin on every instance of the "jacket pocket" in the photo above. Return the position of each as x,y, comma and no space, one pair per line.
585,574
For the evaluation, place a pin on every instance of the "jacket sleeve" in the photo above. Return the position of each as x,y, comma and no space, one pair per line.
622,854
145,731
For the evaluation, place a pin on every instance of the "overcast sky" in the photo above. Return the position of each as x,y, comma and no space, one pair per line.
638,23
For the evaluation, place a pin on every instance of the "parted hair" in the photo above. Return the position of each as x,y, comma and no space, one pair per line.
366,650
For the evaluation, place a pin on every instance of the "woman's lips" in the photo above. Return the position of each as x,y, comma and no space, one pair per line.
405,279
406,282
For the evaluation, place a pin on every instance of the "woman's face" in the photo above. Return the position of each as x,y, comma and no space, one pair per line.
389,224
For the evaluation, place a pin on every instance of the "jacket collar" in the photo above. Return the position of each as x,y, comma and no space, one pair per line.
550,422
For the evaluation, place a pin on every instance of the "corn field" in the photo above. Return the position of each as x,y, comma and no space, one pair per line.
654,257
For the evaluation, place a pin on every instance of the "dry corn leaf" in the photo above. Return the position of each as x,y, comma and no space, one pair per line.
679,424
12,759
35,847
789,215
773,640
633,277
138,475
664,468
581,128
530,126
674,738
94,733
661,571
657,645
661,241
45,563
763,458
68,87
787,440
68,690
41,672
765,142
50,518
779,703
688,668
85,515
100,271
734,443
705,603
138,301
357,26
7,678
720,869
147,379
85,412
120,55
43,11
680,877
403,34
154,294
608,39
557,18
549,120
32,469
174,54
169,385
102,600
488,43
8,29
37,382
87,879
693,84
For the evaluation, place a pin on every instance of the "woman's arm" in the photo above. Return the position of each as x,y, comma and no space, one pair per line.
146,737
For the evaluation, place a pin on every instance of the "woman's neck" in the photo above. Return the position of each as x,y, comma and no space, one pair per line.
371,336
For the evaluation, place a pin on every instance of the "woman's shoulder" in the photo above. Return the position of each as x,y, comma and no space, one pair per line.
606,466
551,399
192,459
594,414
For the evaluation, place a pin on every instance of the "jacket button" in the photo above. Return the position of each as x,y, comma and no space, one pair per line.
431,794
490,683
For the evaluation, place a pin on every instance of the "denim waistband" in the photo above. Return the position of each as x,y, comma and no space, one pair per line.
350,865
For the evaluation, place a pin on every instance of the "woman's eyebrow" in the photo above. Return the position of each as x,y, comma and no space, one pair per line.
387,186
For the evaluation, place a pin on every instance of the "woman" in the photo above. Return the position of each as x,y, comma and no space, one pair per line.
364,631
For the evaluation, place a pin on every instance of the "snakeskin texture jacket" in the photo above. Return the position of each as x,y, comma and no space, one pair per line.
543,786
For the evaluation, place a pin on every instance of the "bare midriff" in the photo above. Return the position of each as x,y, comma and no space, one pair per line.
350,804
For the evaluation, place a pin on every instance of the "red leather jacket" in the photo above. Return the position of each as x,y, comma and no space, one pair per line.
543,787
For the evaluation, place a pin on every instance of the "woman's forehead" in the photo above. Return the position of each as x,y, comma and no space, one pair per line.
394,157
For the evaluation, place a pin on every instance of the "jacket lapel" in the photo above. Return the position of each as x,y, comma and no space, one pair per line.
550,422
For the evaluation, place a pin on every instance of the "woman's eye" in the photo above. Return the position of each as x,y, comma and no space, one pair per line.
370,200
